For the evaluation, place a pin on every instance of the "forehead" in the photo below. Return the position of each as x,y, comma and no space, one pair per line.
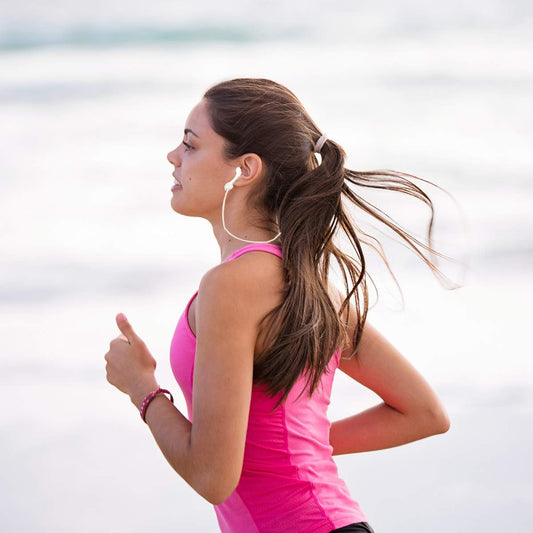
198,120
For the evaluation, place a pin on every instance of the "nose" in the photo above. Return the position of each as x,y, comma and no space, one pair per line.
173,157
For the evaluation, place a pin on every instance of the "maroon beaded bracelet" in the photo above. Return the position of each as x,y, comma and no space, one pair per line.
149,397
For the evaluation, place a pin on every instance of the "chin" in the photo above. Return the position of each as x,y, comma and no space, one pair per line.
174,204
179,208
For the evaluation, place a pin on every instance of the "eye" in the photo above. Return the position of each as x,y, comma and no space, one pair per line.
188,147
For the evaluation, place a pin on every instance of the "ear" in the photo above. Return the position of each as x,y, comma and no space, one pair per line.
251,169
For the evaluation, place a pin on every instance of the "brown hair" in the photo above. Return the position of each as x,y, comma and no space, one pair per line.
304,197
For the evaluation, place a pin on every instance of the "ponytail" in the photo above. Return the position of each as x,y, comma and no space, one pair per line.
304,200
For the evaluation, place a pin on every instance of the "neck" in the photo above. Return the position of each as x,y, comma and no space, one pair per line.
240,227
229,245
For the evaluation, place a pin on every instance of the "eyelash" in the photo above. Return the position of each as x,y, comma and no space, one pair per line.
187,146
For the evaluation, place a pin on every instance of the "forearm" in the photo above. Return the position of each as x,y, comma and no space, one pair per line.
382,427
172,433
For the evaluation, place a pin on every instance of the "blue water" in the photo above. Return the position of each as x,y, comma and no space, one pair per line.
76,23
93,96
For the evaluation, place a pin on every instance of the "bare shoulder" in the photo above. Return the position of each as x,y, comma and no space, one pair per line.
377,361
251,285
335,295
337,298
370,336
259,272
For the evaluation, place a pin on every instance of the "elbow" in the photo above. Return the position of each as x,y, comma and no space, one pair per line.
439,421
216,489
217,496
445,424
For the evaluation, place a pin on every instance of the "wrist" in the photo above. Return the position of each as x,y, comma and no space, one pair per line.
150,397
139,392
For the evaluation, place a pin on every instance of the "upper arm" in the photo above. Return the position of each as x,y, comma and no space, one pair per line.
379,366
229,309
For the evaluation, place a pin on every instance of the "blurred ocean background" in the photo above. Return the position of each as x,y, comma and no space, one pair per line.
94,95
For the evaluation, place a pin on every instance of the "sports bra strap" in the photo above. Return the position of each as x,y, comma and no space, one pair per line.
256,247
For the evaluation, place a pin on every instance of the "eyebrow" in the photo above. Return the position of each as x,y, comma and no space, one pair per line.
187,130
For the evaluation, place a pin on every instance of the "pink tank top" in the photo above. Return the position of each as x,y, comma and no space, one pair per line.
289,481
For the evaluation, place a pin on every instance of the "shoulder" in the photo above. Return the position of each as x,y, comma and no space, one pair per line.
249,285
252,271
349,316
336,297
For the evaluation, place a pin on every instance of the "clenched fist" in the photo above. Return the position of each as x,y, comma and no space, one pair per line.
130,366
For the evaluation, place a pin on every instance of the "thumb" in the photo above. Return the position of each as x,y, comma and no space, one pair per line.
125,328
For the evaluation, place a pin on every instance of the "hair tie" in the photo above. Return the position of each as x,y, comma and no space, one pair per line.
320,143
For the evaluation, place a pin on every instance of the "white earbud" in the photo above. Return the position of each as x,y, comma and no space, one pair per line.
228,186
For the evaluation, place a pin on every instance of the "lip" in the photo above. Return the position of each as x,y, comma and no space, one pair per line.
177,186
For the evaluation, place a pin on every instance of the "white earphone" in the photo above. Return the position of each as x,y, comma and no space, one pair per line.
228,186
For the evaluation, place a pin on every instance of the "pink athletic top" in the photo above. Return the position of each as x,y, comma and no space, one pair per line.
289,481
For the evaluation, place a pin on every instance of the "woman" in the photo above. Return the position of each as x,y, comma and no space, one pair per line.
257,346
